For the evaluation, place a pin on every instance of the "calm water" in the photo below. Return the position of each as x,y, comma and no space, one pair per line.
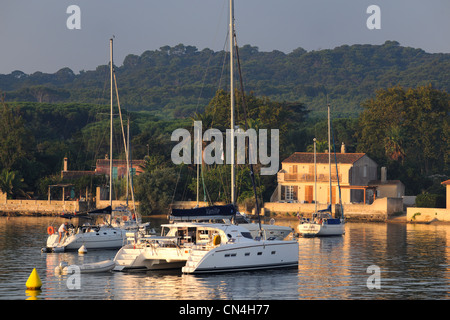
413,261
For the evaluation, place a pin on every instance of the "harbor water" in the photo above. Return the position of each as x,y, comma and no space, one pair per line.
387,261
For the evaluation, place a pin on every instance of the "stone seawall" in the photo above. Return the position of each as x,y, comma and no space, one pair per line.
40,207
380,210
427,215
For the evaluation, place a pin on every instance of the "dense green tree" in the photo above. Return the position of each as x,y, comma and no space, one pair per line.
405,129
15,140
155,190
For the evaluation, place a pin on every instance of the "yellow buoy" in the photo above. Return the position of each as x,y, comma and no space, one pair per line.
33,282
32,294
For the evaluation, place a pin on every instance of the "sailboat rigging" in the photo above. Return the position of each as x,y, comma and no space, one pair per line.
105,235
322,223
244,104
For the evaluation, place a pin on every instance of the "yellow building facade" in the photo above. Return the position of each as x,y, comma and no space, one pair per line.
305,178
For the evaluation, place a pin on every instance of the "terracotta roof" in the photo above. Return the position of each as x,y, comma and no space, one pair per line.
117,162
446,182
308,157
76,174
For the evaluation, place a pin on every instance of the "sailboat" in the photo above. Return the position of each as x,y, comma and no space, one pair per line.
322,222
240,253
92,230
98,235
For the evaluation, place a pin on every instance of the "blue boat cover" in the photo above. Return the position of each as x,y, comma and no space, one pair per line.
334,221
210,212
328,209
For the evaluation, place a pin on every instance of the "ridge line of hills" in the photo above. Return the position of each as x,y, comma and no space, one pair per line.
177,81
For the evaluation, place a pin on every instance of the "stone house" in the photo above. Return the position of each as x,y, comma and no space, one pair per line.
356,173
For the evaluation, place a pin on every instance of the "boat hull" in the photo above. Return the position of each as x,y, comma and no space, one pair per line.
150,258
103,239
319,230
95,267
244,256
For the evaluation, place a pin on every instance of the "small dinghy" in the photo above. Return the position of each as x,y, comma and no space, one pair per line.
101,266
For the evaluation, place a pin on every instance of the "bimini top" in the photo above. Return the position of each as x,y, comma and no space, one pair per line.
204,213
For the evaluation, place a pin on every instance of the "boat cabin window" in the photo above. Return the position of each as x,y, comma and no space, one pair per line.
239,219
247,235
187,235
203,235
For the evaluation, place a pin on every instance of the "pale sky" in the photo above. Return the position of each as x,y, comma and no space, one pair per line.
34,36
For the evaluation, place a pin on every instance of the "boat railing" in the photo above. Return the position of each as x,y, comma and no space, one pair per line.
203,246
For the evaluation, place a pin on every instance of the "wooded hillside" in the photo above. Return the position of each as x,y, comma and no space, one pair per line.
178,81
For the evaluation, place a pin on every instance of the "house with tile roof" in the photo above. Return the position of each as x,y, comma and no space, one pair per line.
305,180
102,168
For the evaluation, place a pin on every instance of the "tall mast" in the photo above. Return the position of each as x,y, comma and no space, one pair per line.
329,150
315,177
128,155
111,124
231,35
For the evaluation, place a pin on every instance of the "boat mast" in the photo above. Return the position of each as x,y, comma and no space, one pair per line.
329,150
111,124
128,155
231,35
315,177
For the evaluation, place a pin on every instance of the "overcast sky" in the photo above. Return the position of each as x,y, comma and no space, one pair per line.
34,35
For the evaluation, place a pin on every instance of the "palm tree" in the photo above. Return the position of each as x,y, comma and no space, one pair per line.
393,144
321,146
11,183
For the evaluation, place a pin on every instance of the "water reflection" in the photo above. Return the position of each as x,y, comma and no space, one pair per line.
413,262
